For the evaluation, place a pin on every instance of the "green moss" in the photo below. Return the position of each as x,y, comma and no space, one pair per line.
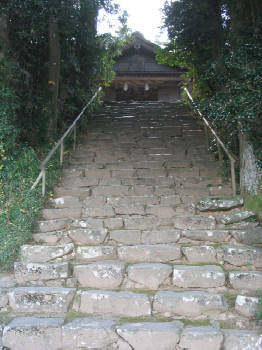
254,203
144,319
231,299
196,323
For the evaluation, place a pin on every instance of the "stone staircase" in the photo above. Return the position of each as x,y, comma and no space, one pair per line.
129,256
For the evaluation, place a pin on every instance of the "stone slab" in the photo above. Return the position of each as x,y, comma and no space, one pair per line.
148,276
242,340
216,204
95,253
188,304
124,304
107,274
215,236
126,236
243,280
26,272
44,253
160,236
33,333
208,276
243,255
90,333
247,306
100,212
52,225
151,335
199,338
88,236
195,222
50,238
66,202
149,253
49,300
200,254
69,213
88,223
251,236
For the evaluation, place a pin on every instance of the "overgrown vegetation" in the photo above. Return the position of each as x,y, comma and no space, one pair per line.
51,63
220,42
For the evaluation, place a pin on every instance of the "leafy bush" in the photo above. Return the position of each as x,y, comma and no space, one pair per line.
19,206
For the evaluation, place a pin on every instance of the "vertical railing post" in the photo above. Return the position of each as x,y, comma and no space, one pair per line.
43,183
220,154
61,153
233,176
207,137
74,137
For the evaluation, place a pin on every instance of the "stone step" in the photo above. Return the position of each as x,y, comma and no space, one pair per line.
66,202
219,204
94,333
188,304
47,253
40,300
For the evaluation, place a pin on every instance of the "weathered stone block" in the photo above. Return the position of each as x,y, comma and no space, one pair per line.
170,200
251,236
49,300
26,272
243,255
195,222
66,202
207,235
215,204
33,333
114,223
48,237
140,223
52,225
251,280
89,333
90,223
247,306
242,340
101,212
160,236
151,335
124,304
200,254
106,274
150,252
148,276
94,201
132,209
72,191
80,181
44,253
3,298
69,213
88,236
95,253
107,191
208,276
126,236
199,338
236,216
189,304
163,212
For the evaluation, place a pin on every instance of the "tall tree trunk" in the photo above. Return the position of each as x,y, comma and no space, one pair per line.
4,40
250,173
53,74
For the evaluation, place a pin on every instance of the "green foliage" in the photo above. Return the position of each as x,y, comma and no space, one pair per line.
19,206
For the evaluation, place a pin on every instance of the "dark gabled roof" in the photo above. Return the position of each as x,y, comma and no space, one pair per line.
138,57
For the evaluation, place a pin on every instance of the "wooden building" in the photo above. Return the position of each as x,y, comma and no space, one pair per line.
140,78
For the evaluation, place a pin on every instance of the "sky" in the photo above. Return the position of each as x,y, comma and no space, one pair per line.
144,16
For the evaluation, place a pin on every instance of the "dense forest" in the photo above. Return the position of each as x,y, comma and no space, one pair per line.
220,43
51,63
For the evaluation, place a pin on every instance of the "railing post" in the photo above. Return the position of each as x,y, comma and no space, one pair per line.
233,177
43,183
61,153
74,137
206,133
220,155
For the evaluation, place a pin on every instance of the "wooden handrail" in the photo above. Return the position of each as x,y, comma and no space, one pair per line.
60,143
220,143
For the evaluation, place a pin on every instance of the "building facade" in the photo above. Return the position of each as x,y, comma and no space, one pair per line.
140,78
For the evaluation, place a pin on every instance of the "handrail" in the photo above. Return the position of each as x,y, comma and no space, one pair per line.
60,143
220,145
